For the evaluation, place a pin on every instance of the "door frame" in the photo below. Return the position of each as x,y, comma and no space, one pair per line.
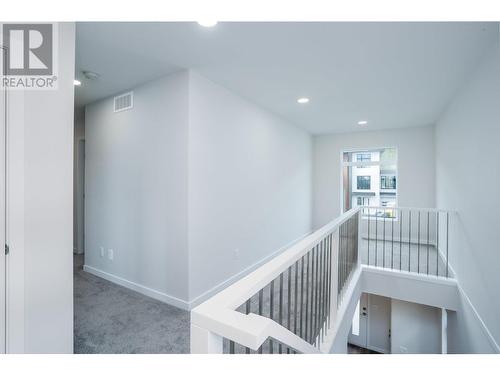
13,221
361,340
3,215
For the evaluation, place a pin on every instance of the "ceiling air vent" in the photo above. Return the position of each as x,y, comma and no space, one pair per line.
124,102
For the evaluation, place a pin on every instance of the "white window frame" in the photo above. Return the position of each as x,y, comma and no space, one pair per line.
368,163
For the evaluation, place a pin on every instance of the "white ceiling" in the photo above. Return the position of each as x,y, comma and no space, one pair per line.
391,74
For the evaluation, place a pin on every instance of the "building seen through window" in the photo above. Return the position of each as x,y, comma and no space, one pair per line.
369,178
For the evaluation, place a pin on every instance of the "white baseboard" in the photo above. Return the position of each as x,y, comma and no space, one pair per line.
160,296
216,289
177,302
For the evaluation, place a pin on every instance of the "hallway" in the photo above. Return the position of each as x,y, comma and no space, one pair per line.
111,319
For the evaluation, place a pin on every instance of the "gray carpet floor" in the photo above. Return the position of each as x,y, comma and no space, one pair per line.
416,258
111,319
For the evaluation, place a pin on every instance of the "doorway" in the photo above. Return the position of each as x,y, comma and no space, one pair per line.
80,197
371,328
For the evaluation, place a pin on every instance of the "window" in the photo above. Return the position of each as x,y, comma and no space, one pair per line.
364,156
364,182
388,182
369,178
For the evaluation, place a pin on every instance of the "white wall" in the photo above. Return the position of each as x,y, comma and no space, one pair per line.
136,189
193,171
416,167
467,179
249,184
415,328
47,215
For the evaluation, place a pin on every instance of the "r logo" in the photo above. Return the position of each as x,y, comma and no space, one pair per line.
30,49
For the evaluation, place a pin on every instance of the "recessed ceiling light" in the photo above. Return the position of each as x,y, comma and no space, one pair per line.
207,23
363,122
303,100
76,82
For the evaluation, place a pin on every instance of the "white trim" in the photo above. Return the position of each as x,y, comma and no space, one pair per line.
444,331
177,302
422,277
216,289
160,296
16,222
486,331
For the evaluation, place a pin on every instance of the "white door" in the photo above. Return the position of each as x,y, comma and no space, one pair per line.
379,324
2,220
359,328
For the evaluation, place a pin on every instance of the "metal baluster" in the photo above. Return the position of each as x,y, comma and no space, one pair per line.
314,302
383,260
306,322
330,278
368,224
339,260
324,274
311,316
302,297
339,264
280,310
325,284
261,300
346,263
400,237
447,240
271,313
289,302
320,299
346,249
418,246
318,304
316,314
392,238
409,240
296,295
437,243
231,347
428,242
247,310
376,239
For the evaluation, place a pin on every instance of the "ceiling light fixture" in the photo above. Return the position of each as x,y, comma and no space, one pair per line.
207,23
363,122
76,82
91,76
303,100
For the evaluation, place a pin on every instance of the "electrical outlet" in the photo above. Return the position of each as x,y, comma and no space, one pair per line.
110,254
236,254
102,251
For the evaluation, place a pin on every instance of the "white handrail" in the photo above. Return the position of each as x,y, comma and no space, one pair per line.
218,314
407,209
